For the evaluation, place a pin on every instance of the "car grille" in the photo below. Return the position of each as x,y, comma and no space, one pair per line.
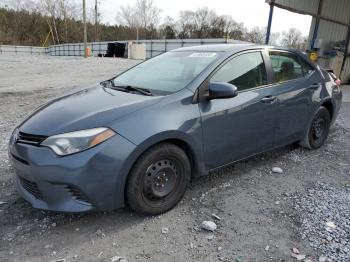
31,187
30,139
77,194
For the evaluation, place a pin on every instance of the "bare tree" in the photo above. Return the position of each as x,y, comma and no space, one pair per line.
128,16
142,14
185,24
67,9
206,23
59,10
50,8
168,28
238,31
229,28
227,23
19,5
293,38
203,19
256,35
149,14
27,21
275,38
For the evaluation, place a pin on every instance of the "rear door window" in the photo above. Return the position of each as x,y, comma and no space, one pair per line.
287,66
244,71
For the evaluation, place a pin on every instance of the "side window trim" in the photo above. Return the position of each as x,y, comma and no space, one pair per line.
298,58
205,84
239,54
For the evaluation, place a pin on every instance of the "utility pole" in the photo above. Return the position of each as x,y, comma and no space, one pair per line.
85,30
96,21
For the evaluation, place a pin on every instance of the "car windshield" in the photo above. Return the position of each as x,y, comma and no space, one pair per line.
167,73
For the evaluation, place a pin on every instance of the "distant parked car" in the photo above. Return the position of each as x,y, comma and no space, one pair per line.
140,137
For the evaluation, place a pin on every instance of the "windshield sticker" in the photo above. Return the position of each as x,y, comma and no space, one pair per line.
202,54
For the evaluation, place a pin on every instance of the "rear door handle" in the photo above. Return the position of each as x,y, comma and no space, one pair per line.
314,86
268,99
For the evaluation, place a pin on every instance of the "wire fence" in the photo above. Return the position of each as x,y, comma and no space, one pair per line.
77,49
22,50
153,47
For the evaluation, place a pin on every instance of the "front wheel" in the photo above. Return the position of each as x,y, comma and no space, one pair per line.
158,180
318,130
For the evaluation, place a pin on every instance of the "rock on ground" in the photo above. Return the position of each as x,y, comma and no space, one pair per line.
209,225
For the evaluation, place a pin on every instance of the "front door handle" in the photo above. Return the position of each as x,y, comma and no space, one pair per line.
268,99
314,86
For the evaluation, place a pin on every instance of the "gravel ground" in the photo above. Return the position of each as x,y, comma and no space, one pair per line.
325,214
263,215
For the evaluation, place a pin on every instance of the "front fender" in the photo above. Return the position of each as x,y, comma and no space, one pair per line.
174,136
175,117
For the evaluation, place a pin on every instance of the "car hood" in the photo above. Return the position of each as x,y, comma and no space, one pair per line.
89,108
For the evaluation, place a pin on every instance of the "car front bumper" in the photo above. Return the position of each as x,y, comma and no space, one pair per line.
90,180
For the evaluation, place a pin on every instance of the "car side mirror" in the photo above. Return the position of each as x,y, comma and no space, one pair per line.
220,90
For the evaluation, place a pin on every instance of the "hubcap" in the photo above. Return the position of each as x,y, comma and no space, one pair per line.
160,179
319,126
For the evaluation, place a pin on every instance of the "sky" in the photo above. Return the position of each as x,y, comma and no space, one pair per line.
250,12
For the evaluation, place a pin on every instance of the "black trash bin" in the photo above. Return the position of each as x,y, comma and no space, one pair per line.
116,49
110,50
120,49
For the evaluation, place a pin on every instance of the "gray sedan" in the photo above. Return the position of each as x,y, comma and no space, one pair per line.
140,137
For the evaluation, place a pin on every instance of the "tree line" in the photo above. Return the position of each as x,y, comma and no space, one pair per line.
46,22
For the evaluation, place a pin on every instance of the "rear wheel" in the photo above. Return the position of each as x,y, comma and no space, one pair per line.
158,180
318,130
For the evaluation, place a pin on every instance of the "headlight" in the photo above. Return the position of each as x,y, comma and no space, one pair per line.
69,143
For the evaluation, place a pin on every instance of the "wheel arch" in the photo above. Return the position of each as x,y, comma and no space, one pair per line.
328,104
192,149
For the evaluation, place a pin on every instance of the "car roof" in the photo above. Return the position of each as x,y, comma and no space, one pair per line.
216,47
230,48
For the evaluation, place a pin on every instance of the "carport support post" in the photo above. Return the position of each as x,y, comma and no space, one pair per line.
347,43
317,23
272,4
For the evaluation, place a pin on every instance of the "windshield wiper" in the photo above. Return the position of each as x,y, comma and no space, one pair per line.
110,83
140,90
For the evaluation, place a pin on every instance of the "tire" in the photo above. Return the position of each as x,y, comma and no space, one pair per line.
158,180
318,130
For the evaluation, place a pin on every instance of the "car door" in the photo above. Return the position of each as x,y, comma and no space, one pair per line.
234,128
296,82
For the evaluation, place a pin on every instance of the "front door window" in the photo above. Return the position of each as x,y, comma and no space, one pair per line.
245,71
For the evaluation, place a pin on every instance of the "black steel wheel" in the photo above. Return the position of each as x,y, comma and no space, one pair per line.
158,180
318,130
